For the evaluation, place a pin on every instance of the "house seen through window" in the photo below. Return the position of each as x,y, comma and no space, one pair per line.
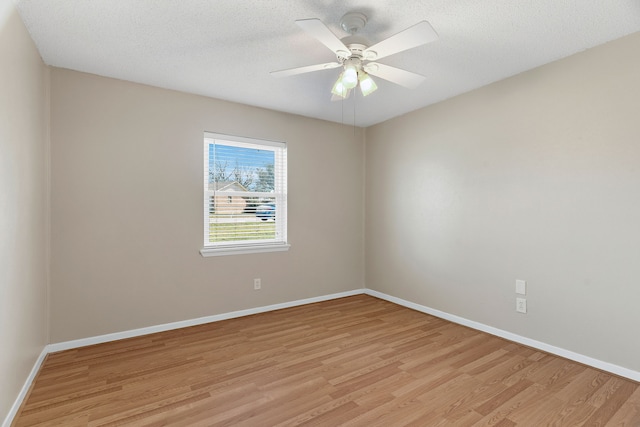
245,195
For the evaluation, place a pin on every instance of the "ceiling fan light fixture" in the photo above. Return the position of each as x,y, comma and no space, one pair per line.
339,88
350,76
367,85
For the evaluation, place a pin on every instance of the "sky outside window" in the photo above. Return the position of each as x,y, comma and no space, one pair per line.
231,163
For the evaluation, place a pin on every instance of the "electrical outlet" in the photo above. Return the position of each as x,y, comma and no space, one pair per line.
521,287
257,284
521,305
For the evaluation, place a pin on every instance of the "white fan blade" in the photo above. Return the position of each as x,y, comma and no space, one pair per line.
307,69
419,34
395,75
317,29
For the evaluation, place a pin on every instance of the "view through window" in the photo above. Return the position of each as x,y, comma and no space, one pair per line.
245,194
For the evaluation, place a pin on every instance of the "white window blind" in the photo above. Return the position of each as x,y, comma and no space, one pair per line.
245,195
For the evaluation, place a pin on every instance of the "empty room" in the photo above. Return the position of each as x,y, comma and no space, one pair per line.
245,213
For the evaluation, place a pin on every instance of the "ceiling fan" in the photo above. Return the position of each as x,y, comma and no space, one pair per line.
356,56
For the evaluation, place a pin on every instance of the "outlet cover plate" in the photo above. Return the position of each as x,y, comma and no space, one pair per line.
521,305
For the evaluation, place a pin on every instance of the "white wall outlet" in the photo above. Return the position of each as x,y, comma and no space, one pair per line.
521,305
257,284
521,287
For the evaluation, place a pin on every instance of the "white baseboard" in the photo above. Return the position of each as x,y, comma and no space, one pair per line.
67,345
25,389
567,354
83,342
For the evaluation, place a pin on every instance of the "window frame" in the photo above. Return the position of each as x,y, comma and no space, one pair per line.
279,243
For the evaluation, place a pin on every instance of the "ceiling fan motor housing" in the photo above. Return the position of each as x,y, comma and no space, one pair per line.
352,23
356,50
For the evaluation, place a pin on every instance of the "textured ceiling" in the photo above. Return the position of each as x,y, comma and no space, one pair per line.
226,48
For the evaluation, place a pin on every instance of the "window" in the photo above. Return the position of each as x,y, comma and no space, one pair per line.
245,195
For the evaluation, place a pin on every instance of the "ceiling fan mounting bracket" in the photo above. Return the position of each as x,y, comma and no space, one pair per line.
353,22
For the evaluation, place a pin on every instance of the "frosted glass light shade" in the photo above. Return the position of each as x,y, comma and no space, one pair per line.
367,85
339,89
350,77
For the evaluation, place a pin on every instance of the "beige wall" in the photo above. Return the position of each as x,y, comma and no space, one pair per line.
536,178
127,208
23,196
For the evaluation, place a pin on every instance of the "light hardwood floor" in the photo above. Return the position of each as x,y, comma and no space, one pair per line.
356,361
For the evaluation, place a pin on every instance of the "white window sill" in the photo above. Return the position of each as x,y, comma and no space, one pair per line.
239,250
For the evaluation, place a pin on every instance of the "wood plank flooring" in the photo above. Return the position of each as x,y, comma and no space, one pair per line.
356,361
